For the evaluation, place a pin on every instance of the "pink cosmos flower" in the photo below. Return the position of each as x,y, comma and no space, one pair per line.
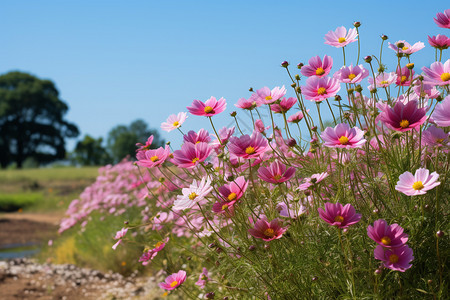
173,281
267,96
276,172
191,155
317,67
351,74
208,109
340,216
318,89
438,73
297,117
439,41
259,126
402,117
147,145
405,76
426,91
284,105
202,136
150,254
234,190
119,235
388,236
225,133
382,80
248,146
340,37
342,136
250,103
443,19
417,184
407,48
397,259
434,136
441,114
203,278
153,157
174,122
193,194
267,231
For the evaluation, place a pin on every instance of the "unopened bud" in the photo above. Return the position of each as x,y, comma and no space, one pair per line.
430,281
233,114
358,88
266,246
293,85
378,272
297,77
250,89
252,247
440,234
410,66
298,90
314,128
284,64
368,59
212,245
350,91
439,98
400,45
300,65
420,77
384,37
291,142
356,24
230,178
314,278
337,98
126,222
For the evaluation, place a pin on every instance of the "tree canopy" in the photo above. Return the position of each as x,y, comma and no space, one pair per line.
31,120
90,152
122,139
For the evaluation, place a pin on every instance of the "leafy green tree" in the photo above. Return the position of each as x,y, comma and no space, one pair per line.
31,120
122,139
90,152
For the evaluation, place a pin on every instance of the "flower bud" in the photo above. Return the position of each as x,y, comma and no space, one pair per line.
400,45
356,24
230,178
250,89
439,98
210,295
368,59
440,234
375,211
410,66
350,91
430,281
358,88
266,246
314,128
298,90
384,37
337,98
252,247
233,114
291,142
212,245
126,222
284,64
307,193
314,278
300,65
378,272
293,85
297,77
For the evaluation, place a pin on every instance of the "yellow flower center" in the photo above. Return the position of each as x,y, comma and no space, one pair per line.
403,79
439,141
445,76
268,98
277,177
175,123
339,219
321,91
320,71
404,123
208,109
154,158
174,283
124,263
225,206
192,196
342,39
269,232
158,244
393,258
196,159
232,196
351,76
343,140
384,82
418,185
250,150
405,48
386,240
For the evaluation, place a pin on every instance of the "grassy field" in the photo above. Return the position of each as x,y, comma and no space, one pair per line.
44,189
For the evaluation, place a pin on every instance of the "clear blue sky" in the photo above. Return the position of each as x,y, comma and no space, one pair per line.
117,61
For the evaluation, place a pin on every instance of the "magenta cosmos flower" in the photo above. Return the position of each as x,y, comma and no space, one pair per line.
342,136
443,19
441,114
340,216
318,67
202,136
174,122
388,236
417,184
153,157
407,48
208,109
234,190
276,172
267,231
248,104
193,194
351,74
173,281
404,76
267,96
340,37
150,254
147,145
438,73
203,279
397,259
284,105
439,41
191,155
403,117
297,117
248,146
318,89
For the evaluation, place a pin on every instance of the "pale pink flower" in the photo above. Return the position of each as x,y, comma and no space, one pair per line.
276,172
208,109
439,41
250,103
259,126
382,80
173,281
318,89
407,48
438,73
191,155
441,114
147,145
203,279
224,133
174,121
153,157
340,37
284,105
297,117
351,74
342,136
193,194
317,67
443,19
397,259
434,136
428,91
151,253
267,231
340,216
267,96
388,236
405,76
119,235
417,184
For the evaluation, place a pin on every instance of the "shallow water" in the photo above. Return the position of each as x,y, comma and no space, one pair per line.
18,250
